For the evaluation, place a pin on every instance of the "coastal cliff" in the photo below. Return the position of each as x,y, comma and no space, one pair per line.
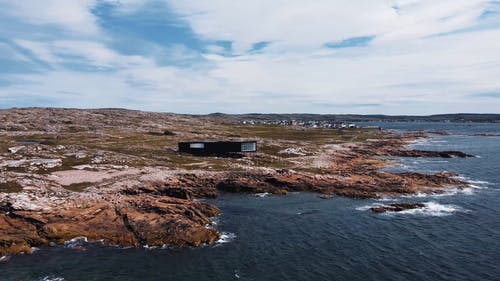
115,176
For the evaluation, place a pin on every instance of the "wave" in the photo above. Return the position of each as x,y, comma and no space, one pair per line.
368,207
433,209
423,161
385,199
447,192
308,212
480,183
215,221
472,187
162,247
76,242
4,259
419,141
226,237
430,208
426,141
50,278
261,195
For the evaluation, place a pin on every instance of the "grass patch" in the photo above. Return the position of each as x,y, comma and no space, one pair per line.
158,146
78,187
163,133
290,133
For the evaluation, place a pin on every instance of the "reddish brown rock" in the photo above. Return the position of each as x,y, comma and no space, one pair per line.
133,221
429,153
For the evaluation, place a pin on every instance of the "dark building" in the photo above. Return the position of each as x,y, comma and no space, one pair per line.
217,147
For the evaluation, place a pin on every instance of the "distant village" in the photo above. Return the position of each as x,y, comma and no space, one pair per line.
306,124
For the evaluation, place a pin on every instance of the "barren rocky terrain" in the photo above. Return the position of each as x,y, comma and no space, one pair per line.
115,175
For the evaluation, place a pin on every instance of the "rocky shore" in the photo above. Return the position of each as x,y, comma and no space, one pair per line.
103,175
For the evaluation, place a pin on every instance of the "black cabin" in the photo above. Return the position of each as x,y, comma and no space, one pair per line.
217,147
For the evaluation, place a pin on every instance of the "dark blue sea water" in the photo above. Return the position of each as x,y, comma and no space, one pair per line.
302,237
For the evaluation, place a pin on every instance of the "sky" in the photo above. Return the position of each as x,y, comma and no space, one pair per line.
233,56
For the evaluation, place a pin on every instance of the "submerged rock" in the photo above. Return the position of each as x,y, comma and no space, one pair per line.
397,207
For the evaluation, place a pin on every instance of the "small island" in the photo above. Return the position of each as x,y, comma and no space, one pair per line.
117,176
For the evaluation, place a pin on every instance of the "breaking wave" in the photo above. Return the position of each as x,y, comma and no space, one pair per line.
433,209
4,258
261,195
226,237
430,208
76,242
50,278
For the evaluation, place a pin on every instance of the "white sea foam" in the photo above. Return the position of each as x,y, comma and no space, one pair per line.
479,183
215,221
261,195
419,141
51,278
162,247
447,192
367,207
421,161
147,247
76,242
430,208
471,189
419,195
473,184
404,166
4,258
226,237
433,209
426,142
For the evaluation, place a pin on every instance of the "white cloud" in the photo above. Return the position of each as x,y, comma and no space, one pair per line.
74,15
297,24
83,53
410,67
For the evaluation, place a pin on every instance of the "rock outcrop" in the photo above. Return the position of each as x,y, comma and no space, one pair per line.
129,221
397,207
429,153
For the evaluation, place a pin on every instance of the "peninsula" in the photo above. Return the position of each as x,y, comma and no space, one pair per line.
116,176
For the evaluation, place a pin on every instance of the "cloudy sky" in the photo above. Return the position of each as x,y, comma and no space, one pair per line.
234,56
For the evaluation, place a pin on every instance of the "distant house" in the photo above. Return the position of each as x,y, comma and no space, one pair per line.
217,147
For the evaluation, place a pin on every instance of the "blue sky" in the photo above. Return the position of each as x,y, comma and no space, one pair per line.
187,56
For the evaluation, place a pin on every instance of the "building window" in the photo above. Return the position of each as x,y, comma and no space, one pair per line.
197,145
248,146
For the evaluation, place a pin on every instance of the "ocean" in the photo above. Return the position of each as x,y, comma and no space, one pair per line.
302,237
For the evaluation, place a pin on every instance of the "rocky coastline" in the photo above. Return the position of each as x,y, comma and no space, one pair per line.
110,198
